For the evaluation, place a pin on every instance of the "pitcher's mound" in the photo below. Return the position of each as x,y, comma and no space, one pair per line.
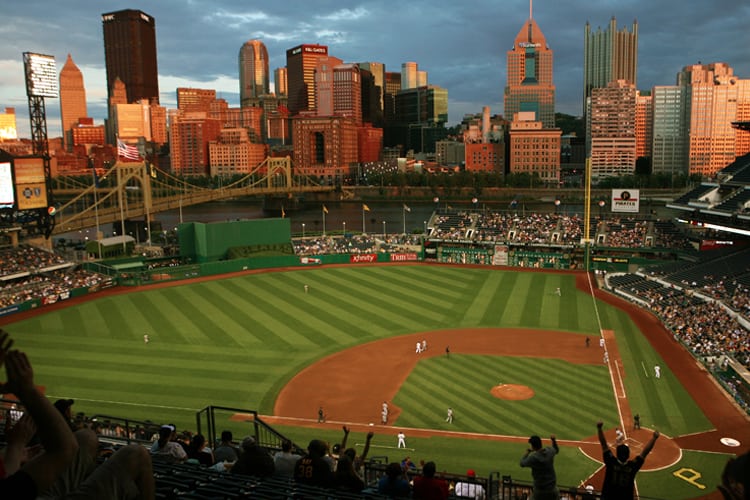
512,392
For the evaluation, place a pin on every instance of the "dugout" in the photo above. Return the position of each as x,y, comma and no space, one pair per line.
208,242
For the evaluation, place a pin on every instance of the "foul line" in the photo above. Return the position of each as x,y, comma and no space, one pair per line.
622,385
609,366
124,403
645,371
416,431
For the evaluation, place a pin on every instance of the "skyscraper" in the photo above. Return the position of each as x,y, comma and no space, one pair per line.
130,53
612,128
409,76
530,86
608,56
254,76
72,99
279,80
669,130
300,65
716,97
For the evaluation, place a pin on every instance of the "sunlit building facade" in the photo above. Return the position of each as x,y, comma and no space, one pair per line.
530,84
301,62
609,55
612,129
253,66
72,100
716,97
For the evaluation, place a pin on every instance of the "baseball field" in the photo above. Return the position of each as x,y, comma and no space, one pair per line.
504,350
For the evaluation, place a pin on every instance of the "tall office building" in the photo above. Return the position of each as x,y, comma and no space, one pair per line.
608,56
323,84
669,130
644,116
392,87
716,97
8,129
373,92
72,100
409,75
530,85
191,99
613,129
254,76
130,53
300,66
279,81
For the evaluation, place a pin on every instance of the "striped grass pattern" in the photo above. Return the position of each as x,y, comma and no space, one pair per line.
235,342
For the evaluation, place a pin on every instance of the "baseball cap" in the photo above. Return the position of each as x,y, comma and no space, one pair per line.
471,473
171,427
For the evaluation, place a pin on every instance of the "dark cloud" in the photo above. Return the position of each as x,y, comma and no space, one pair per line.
462,45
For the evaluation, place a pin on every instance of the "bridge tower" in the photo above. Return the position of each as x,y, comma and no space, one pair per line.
137,172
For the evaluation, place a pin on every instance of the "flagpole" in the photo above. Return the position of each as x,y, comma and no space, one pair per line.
363,220
403,210
96,208
324,221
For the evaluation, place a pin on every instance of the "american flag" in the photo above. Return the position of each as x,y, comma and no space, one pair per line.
127,151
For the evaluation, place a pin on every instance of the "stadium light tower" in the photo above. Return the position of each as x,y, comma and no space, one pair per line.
41,82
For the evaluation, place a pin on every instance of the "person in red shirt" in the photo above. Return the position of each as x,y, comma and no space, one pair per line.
427,486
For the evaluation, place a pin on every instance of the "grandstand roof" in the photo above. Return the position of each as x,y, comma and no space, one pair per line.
723,203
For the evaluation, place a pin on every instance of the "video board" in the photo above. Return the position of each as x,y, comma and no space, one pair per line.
30,183
7,198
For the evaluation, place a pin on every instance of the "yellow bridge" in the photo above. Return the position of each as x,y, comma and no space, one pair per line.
136,190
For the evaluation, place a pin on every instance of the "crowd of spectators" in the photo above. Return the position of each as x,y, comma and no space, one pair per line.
500,227
354,244
30,273
626,232
707,328
26,259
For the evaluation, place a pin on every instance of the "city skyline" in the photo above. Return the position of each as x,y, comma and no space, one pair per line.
462,50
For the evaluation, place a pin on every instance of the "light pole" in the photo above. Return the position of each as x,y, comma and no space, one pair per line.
383,230
344,228
425,227
303,230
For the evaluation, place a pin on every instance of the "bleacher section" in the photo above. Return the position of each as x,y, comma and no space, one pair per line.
723,203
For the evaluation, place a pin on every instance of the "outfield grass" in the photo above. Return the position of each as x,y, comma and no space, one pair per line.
235,342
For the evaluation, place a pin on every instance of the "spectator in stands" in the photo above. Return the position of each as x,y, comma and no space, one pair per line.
735,479
17,439
620,472
285,460
63,406
166,448
395,482
254,460
62,469
345,477
542,463
429,487
358,461
312,469
470,488
198,451
226,451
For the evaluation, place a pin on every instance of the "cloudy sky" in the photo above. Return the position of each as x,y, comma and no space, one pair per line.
462,45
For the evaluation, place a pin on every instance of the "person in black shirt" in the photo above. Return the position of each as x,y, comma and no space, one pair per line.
619,475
